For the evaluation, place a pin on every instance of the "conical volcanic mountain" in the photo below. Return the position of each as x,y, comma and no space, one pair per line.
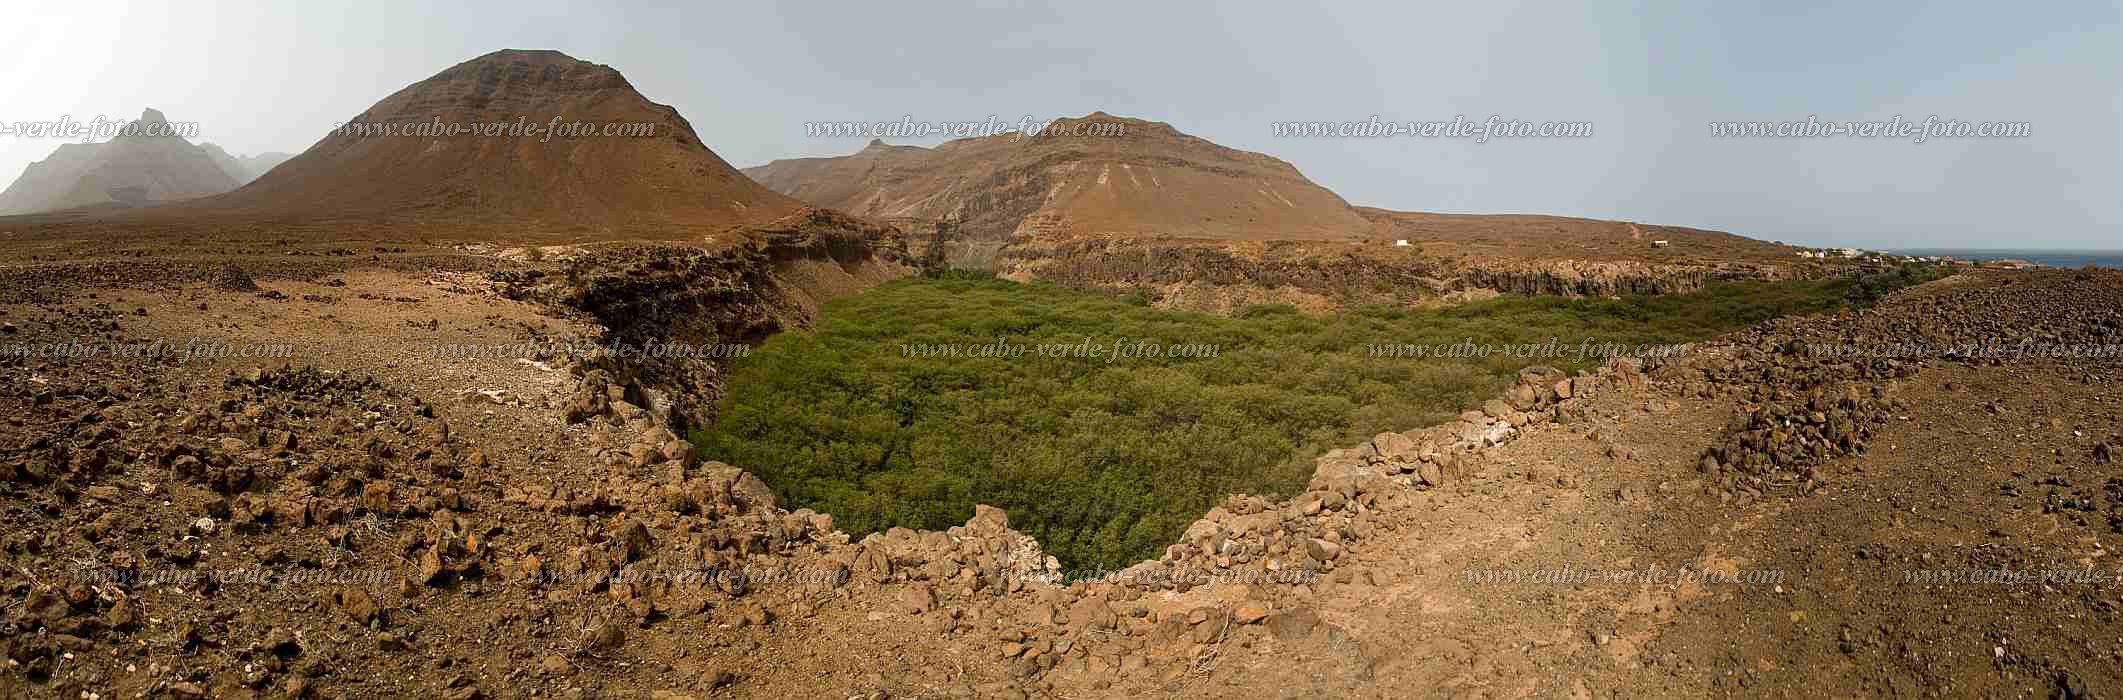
147,162
1094,176
541,141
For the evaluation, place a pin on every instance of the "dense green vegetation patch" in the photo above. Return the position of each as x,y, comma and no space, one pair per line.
910,403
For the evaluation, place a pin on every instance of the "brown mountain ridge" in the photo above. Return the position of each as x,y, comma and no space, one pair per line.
663,179
1095,176
1078,182
1127,204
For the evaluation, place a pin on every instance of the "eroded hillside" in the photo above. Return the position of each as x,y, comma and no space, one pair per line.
1118,203
1096,176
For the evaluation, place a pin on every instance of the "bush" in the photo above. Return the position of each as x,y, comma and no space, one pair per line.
1870,289
1106,459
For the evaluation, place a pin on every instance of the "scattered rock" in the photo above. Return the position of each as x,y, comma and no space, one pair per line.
358,605
432,570
1323,551
1293,624
1497,409
634,536
232,278
917,599
1093,613
606,638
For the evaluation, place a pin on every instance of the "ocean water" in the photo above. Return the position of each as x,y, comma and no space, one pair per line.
2070,259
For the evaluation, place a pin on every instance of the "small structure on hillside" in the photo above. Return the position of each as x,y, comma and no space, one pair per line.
1400,243
1661,244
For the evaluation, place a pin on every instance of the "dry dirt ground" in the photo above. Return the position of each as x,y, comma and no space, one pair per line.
438,526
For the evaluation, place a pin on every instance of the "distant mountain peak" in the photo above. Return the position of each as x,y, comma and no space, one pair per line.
661,178
145,164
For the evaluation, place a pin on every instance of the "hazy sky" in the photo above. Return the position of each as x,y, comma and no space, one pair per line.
1649,76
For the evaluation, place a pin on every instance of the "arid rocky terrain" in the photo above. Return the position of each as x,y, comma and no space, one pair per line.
510,525
404,418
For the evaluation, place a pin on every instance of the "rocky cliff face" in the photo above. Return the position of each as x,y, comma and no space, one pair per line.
658,299
144,164
1221,277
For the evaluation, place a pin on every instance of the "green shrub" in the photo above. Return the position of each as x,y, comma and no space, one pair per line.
1869,289
1106,459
